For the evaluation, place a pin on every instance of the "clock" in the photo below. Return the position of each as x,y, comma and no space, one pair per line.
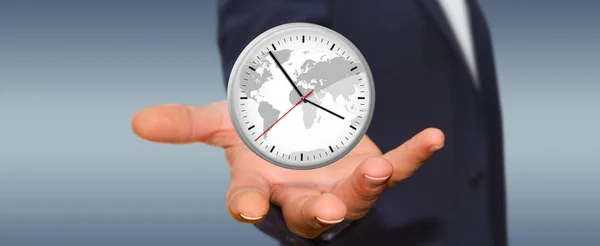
301,96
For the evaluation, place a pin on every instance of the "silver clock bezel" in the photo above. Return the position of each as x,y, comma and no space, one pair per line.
240,62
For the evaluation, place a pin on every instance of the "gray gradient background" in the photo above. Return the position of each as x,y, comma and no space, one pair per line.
72,73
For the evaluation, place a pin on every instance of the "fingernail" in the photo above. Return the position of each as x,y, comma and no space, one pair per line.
330,222
250,217
435,148
374,182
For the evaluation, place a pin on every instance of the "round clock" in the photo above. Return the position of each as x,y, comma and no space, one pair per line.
301,96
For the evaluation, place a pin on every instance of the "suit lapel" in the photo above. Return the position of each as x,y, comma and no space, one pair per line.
437,14
482,46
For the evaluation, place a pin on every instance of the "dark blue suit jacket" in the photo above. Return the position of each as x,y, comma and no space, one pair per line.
458,197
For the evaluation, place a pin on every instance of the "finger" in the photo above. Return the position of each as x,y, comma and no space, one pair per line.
185,124
307,212
360,191
248,197
409,156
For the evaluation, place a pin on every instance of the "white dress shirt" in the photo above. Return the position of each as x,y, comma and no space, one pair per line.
457,14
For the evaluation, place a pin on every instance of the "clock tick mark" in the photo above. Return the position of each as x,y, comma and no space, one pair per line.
330,149
272,148
351,126
302,38
354,68
333,46
243,97
250,128
274,46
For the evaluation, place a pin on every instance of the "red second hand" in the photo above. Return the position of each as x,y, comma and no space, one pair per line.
300,101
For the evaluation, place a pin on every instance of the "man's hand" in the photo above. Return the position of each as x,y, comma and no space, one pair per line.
311,200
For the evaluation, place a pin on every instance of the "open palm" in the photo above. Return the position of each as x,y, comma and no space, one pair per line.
311,200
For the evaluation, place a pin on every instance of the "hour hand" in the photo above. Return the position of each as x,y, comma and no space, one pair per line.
321,107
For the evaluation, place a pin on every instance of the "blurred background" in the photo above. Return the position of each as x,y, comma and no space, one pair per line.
72,73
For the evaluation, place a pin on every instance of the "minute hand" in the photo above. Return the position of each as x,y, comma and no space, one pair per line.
321,107
286,75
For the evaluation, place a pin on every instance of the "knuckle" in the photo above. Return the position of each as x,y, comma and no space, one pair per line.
403,173
367,194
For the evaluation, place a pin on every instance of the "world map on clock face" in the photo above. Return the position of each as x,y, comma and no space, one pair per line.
326,73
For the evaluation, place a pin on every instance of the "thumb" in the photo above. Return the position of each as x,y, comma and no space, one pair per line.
179,124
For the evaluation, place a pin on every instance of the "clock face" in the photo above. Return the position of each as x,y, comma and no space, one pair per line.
301,96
